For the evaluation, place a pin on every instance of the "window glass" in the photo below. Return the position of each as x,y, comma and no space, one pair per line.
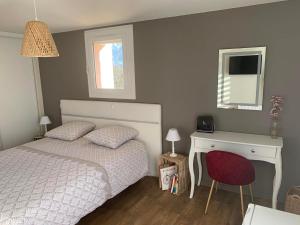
108,58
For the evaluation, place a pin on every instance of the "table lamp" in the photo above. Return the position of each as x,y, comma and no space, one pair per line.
44,122
173,136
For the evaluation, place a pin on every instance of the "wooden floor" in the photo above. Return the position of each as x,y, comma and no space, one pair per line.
145,204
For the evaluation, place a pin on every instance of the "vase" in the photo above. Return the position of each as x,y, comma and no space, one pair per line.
274,129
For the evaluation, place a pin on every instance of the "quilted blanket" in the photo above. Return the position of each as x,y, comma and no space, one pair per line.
42,188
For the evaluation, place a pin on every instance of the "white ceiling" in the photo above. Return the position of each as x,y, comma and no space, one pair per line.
65,15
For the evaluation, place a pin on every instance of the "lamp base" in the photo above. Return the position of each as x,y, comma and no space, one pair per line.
173,155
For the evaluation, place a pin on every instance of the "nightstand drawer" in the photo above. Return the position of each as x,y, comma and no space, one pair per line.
241,149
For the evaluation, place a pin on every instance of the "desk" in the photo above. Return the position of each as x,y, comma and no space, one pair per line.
251,146
258,215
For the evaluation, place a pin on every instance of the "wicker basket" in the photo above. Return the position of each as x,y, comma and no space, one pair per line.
292,202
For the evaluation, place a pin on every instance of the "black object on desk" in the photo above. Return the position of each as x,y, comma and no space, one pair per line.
205,124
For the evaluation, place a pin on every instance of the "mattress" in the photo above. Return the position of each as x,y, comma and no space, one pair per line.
124,165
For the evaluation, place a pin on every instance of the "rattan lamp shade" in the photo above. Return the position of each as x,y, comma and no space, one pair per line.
38,41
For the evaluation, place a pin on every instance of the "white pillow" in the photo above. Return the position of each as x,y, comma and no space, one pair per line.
71,130
112,136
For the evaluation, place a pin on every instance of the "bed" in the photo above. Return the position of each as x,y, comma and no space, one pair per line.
51,181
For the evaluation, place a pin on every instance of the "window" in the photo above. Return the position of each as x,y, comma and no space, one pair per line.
110,62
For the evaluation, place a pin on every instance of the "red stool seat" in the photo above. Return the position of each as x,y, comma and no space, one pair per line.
229,168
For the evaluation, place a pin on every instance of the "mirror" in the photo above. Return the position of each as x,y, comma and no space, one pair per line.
241,78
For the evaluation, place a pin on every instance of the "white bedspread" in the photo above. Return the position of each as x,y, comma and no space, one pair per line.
124,166
55,182
38,188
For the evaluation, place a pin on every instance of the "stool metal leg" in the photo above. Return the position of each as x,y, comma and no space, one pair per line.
251,193
242,201
209,196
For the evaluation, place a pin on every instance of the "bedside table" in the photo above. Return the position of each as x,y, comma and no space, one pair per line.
38,138
181,161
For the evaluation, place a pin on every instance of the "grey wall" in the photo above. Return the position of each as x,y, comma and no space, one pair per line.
176,62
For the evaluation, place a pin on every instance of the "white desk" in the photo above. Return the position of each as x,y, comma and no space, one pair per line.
253,147
258,215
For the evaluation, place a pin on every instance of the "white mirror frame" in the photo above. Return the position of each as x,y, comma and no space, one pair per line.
125,33
260,81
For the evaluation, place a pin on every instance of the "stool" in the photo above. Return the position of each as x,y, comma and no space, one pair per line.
229,168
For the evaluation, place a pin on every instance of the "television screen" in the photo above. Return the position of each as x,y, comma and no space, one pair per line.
248,64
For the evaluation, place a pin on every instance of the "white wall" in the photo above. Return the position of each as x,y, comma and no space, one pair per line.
19,112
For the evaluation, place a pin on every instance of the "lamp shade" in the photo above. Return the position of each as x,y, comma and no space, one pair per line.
38,41
173,135
45,120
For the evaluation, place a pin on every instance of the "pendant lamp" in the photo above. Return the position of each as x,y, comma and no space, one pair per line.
38,41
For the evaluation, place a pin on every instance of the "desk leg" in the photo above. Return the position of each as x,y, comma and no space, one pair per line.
277,181
191,168
199,167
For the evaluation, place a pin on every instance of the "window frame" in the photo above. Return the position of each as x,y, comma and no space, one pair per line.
125,33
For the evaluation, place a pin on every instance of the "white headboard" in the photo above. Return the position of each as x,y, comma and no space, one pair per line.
146,118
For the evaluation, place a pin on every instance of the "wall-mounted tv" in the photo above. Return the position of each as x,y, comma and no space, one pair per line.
245,65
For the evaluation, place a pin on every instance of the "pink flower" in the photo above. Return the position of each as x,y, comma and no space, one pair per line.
276,101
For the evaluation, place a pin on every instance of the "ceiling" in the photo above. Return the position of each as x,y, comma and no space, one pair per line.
66,15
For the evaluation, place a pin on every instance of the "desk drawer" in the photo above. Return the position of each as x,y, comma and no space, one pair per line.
246,150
